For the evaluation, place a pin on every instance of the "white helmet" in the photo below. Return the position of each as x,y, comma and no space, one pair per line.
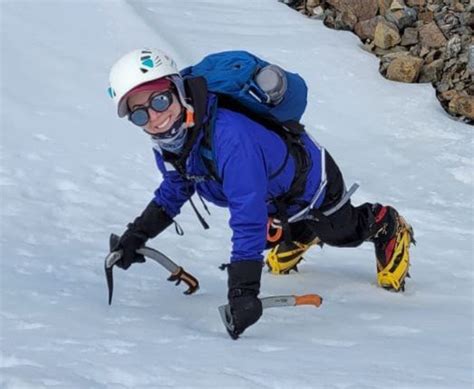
138,67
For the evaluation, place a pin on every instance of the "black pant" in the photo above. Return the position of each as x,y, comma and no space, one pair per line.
348,227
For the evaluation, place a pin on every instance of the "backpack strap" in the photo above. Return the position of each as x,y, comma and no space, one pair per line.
206,149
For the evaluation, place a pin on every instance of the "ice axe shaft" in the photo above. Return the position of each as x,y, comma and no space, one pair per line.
178,274
291,301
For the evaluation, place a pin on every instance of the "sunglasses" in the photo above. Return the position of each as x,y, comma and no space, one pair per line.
158,102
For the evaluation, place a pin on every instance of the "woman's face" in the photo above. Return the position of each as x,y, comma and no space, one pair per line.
159,122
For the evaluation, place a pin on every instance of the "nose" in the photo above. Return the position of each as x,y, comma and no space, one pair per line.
154,114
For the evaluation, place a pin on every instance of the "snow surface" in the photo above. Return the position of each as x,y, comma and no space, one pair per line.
72,173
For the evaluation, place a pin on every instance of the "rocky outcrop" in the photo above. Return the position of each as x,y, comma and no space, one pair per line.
416,41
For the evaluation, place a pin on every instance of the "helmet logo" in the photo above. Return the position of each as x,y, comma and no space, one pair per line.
111,92
147,61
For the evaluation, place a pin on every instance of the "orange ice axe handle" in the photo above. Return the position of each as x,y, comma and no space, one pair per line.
291,301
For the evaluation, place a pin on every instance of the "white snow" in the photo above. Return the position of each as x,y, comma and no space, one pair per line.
72,173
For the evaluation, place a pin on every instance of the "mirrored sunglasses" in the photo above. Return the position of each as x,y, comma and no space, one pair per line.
158,102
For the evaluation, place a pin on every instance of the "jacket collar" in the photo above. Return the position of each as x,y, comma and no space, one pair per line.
196,91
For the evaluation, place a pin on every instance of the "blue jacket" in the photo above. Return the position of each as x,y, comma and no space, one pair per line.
246,156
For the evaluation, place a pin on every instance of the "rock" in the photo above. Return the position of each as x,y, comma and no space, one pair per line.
433,7
384,6
386,59
397,5
362,9
404,69
447,23
329,20
426,16
431,36
424,52
415,50
457,6
386,35
311,4
433,55
368,46
470,62
460,86
467,18
318,12
402,18
410,37
442,86
345,20
416,3
463,106
431,72
465,75
448,95
366,28
394,50
453,47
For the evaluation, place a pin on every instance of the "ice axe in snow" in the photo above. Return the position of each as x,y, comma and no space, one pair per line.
270,302
178,274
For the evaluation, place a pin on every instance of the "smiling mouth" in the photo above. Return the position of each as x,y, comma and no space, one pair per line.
164,124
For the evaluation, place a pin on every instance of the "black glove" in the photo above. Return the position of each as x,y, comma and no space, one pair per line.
244,286
149,224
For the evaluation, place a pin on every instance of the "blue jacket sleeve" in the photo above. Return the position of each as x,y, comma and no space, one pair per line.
243,172
174,190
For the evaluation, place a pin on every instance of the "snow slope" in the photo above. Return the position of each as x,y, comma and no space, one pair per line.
71,173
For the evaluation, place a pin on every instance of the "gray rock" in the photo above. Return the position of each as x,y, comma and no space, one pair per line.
453,47
416,50
434,55
443,86
402,18
459,86
470,62
345,20
431,72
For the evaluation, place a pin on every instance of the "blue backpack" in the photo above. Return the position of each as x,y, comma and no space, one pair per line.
232,73
232,76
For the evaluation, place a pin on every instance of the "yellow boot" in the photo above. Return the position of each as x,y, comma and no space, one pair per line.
284,257
392,242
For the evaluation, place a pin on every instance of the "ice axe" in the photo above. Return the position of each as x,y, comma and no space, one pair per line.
270,302
178,274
